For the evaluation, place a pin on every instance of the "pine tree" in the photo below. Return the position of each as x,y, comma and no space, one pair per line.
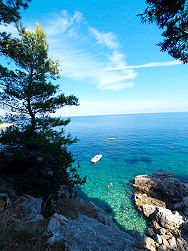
35,153
172,17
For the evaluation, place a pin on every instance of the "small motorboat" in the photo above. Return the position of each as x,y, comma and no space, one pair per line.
95,159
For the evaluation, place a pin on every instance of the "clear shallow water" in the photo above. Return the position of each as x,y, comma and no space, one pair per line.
144,143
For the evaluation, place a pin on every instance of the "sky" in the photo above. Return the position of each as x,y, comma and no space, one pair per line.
108,59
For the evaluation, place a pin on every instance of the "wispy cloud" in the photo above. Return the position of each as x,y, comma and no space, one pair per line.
152,64
108,39
87,54
64,22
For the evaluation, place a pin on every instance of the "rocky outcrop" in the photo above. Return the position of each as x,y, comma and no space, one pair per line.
102,216
163,186
55,226
159,194
85,233
30,208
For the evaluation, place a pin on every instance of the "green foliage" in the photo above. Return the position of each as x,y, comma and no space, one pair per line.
172,18
35,154
10,10
39,162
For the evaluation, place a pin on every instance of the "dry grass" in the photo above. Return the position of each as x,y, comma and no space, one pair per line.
72,208
17,234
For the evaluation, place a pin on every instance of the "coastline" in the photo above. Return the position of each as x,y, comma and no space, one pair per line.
5,125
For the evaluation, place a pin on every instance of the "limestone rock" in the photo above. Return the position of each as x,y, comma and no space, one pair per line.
161,185
158,239
55,224
178,206
150,244
181,244
88,234
102,216
148,210
172,243
168,219
143,199
170,227
185,211
185,200
31,207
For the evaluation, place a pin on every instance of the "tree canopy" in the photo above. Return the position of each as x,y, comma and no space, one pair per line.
30,84
10,10
34,154
172,17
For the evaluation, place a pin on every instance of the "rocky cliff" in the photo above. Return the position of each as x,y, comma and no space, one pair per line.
164,202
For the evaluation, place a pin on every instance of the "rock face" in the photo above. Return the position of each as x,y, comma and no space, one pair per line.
168,219
162,185
55,226
30,208
102,216
85,233
156,192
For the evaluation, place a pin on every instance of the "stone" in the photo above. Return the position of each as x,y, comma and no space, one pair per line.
31,207
166,233
156,225
181,244
150,244
56,222
148,210
101,215
85,233
105,219
172,242
168,219
161,248
178,206
143,199
161,185
151,231
185,201
164,241
158,239
185,227
185,211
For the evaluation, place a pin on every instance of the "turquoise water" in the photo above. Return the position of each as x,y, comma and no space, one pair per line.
143,144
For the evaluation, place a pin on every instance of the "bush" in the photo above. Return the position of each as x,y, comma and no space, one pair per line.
37,163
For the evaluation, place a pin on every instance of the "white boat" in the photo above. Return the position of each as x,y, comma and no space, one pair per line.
95,159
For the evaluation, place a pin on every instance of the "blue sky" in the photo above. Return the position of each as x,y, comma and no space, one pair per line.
108,58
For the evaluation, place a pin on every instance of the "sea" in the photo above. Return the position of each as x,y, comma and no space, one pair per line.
130,145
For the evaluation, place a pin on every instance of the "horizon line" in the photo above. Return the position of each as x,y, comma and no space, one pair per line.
116,114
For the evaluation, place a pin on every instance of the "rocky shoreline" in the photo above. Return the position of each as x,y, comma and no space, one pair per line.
163,200
75,225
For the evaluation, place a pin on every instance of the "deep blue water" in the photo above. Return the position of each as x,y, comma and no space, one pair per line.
144,143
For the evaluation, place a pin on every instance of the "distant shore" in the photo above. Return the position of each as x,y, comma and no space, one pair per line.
5,125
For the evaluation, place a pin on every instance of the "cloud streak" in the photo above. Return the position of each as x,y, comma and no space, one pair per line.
152,64
85,52
89,55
